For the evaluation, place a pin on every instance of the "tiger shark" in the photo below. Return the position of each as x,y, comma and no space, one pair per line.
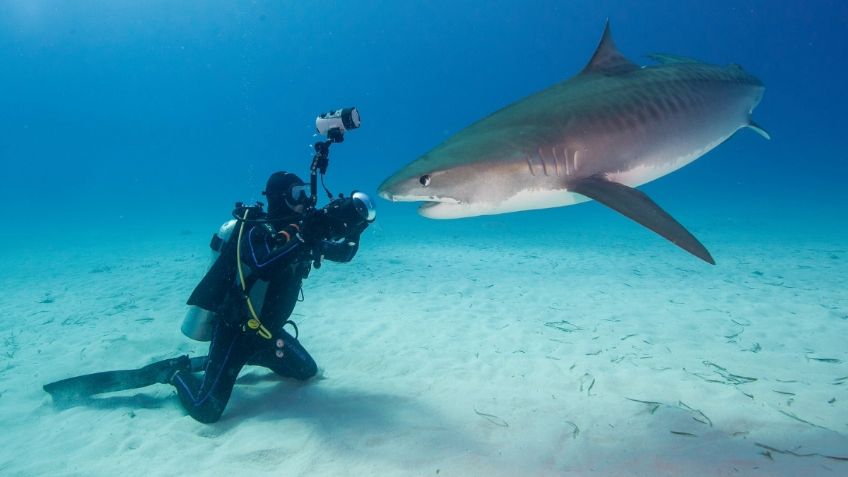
614,126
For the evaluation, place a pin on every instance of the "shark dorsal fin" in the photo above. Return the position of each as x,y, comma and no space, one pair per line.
607,59
666,59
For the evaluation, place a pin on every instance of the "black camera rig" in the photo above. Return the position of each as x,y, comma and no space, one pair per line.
332,124
342,214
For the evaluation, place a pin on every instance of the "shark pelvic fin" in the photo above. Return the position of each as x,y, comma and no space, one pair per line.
758,129
639,207
607,59
666,59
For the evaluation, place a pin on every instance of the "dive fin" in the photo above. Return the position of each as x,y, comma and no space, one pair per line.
758,129
111,381
639,207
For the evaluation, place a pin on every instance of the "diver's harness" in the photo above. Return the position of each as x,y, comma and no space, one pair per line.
253,323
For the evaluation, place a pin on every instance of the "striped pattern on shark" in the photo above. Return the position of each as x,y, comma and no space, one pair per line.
598,135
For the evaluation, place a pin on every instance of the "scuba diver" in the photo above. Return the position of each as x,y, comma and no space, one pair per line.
248,294
276,253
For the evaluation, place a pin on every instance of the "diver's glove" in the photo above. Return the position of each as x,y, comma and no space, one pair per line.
348,230
357,229
349,233
315,227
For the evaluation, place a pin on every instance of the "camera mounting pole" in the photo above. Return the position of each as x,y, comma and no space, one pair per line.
321,160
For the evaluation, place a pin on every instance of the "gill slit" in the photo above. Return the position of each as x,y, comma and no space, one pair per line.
529,164
542,160
556,161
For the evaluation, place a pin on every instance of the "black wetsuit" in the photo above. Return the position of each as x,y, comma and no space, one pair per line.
283,266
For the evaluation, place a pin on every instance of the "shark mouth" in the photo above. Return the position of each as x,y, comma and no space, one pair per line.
447,209
432,207
442,210
430,202
427,201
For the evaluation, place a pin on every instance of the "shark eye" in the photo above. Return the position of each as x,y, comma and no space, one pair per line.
424,180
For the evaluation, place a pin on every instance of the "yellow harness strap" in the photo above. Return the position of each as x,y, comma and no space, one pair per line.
253,323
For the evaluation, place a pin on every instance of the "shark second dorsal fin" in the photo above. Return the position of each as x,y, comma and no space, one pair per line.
666,59
607,59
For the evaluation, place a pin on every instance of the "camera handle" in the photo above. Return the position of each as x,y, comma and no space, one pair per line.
320,161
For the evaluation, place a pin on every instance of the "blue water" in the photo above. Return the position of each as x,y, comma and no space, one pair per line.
126,120
121,112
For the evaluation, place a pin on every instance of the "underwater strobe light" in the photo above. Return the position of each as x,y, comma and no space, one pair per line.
334,123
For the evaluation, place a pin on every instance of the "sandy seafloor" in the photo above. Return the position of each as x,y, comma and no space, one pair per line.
573,343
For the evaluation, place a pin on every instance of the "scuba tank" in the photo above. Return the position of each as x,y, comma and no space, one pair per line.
208,294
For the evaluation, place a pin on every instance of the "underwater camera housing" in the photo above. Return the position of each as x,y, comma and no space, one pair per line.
348,213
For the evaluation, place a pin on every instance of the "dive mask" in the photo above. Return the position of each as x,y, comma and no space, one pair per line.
299,194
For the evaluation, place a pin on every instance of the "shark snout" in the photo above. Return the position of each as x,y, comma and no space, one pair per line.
403,190
387,190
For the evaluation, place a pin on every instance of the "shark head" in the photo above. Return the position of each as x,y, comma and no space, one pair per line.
445,192
456,184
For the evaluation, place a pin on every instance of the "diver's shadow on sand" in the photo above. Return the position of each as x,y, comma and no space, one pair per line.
367,422
315,400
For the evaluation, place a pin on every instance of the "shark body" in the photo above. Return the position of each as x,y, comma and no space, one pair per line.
598,135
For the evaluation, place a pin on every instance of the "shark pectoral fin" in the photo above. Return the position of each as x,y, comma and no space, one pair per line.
642,209
758,129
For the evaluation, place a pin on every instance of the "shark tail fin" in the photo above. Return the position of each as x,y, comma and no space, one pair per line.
639,207
758,129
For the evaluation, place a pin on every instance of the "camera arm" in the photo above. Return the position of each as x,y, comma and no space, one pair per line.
320,161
